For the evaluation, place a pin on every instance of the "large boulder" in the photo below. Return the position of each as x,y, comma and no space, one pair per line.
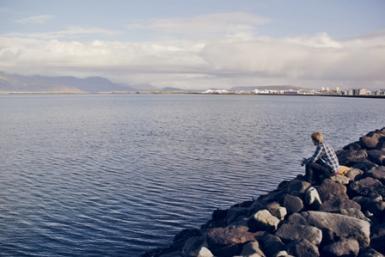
330,189
374,206
228,241
370,142
271,245
378,173
355,213
297,187
292,203
194,247
184,235
296,232
378,239
377,156
344,247
252,248
263,220
370,252
303,248
277,210
340,226
369,187
337,204
347,157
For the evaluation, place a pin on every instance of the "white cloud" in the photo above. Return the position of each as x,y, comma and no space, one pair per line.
232,24
38,19
200,62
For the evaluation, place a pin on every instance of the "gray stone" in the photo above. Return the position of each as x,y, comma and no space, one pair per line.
353,173
193,246
292,203
330,189
252,248
344,247
303,248
340,225
264,220
369,252
336,204
355,213
297,219
295,232
277,210
271,244
298,187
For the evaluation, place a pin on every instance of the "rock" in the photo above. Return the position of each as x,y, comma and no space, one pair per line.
330,189
312,199
295,232
303,248
369,187
377,156
297,187
228,241
370,142
353,146
378,173
340,225
283,254
274,196
277,210
345,247
347,157
369,252
297,219
181,237
336,204
271,245
252,248
193,246
340,179
204,252
292,203
355,213
378,239
236,213
264,220
353,173
364,165
375,206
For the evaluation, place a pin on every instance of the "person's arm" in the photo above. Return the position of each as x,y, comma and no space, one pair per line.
316,155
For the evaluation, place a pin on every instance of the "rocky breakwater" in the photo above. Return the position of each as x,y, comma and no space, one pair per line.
342,216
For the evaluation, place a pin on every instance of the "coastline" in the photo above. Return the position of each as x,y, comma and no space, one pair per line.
342,216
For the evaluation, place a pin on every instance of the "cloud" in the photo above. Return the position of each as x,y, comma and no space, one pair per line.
195,61
38,19
231,24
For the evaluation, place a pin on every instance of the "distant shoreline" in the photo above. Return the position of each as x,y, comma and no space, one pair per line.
182,93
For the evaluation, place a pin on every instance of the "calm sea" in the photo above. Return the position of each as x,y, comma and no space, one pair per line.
115,175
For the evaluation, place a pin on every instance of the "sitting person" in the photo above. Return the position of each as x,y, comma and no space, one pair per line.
324,162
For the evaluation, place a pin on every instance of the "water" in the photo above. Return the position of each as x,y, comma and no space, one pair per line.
115,175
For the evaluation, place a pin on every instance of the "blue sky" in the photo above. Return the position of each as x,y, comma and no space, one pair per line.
198,44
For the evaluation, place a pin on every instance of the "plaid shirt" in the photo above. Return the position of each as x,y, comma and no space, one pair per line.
327,155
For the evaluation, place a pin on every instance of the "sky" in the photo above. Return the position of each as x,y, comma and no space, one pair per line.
198,44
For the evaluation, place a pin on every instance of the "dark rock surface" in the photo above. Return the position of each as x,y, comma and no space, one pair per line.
342,216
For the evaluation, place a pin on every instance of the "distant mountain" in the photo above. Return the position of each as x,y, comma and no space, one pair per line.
69,84
171,89
270,87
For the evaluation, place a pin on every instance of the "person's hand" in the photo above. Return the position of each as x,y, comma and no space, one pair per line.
303,161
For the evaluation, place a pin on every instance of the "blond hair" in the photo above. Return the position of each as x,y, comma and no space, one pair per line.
317,137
